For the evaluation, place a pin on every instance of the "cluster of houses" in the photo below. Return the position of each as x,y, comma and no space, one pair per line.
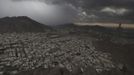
32,50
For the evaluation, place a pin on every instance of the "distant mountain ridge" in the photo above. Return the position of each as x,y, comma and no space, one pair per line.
21,24
26,24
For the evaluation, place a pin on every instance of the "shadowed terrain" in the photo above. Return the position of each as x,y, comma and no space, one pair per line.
21,24
63,50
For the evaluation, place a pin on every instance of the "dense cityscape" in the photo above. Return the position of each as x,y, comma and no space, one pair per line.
32,50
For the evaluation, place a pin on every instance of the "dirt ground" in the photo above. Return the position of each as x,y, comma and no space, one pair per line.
120,53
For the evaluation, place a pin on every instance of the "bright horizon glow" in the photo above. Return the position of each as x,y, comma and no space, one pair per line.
111,25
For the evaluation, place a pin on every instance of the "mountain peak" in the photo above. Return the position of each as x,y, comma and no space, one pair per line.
21,24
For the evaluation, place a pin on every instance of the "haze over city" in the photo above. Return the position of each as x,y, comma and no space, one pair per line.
70,11
66,37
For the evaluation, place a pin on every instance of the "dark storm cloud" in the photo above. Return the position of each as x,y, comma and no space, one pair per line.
113,10
85,10
107,10
47,12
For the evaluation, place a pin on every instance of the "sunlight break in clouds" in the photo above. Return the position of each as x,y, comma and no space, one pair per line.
118,11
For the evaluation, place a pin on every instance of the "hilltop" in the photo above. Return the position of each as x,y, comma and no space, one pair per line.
21,24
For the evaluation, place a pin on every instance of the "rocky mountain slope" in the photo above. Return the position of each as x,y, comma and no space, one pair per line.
20,24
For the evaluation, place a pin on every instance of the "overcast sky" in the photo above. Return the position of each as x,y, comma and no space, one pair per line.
66,11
